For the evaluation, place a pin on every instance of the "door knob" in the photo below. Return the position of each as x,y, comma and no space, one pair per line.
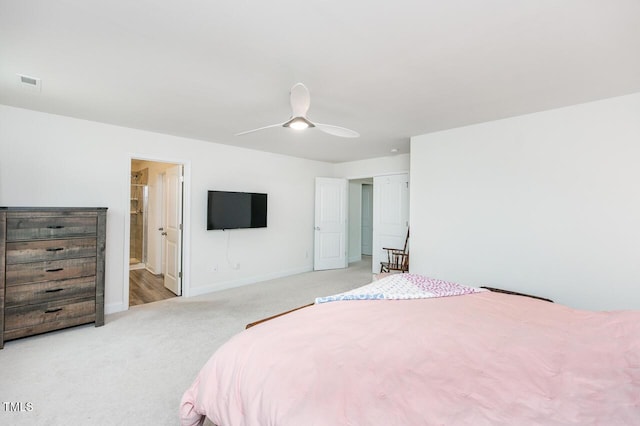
317,228
163,233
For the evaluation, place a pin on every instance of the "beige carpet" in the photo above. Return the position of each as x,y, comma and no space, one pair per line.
134,370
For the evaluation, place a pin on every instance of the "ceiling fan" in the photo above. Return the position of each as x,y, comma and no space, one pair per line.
300,101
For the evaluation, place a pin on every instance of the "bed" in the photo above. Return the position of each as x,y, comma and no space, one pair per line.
409,350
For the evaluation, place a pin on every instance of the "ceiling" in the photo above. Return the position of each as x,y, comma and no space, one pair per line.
387,69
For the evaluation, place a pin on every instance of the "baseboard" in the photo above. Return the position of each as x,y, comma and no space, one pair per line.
152,271
197,291
112,308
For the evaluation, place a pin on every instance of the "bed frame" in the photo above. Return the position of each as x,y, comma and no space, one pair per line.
497,290
276,316
515,293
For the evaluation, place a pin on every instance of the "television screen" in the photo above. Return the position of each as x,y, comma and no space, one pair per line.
234,210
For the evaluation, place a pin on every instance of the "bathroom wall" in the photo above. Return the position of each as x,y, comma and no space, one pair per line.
138,212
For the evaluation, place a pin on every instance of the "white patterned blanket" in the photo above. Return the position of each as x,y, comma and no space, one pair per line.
402,287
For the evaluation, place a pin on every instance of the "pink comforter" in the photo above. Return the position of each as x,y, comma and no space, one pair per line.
479,359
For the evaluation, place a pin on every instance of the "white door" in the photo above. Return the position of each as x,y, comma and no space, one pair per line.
330,247
367,219
390,215
173,229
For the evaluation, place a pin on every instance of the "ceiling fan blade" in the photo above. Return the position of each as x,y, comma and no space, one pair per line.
259,128
337,131
300,100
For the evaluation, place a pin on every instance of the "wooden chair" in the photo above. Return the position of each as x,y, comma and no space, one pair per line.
397,260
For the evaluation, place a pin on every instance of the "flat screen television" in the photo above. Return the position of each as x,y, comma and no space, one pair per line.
235,210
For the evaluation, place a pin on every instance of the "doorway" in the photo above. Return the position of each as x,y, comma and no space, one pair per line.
155,231
138,212
377,215
367,219
360,218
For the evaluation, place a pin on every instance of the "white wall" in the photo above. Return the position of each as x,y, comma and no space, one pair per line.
373,167
49,160
546,203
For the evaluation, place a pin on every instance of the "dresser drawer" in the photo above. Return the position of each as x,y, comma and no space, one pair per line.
42,250
24,273
47,227
50,291
32,319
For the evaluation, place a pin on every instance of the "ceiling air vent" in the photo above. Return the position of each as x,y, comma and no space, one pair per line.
31,83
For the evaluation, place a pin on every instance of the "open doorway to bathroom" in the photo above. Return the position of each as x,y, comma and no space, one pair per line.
155,218
139,214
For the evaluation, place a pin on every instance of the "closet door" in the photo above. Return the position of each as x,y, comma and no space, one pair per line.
390,215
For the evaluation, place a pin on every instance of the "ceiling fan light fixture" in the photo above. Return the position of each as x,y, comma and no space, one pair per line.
299,98
298,123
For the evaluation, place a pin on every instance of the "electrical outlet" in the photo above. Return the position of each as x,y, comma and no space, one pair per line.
214,268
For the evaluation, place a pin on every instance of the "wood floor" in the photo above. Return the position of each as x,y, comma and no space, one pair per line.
144,287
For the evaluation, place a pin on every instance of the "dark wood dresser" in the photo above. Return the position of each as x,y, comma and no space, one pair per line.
51,269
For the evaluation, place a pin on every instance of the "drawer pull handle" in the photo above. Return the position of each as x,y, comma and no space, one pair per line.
55,248
53,290
50,311
54,270
55,226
